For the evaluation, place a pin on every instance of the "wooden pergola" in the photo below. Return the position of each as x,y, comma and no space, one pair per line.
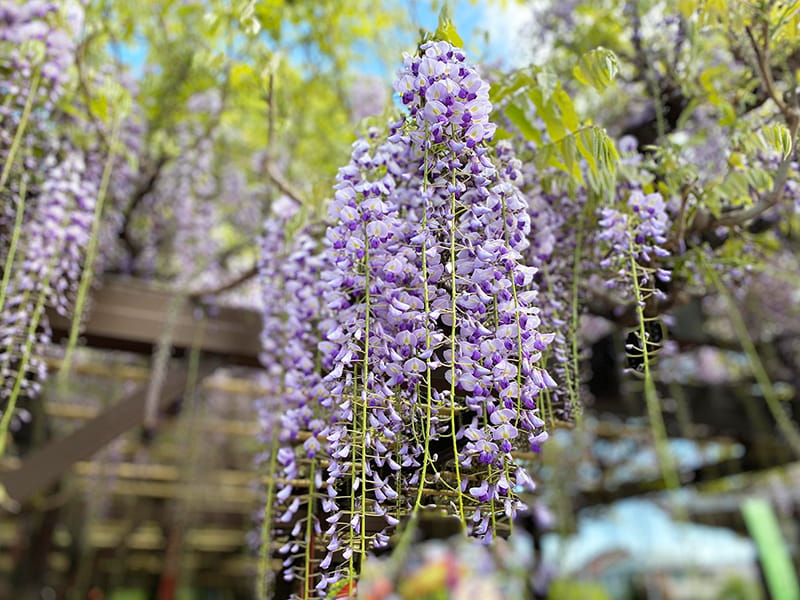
132,318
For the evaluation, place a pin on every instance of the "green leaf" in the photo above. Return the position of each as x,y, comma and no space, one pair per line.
567,146
773,553
446,30
597,68
734,188
517,116
548,82
512,83
548,112
601,155
776,137
759,179
567,108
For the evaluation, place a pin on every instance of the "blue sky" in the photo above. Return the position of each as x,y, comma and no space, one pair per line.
492,31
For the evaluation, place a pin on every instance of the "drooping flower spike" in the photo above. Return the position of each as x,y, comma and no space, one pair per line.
432,359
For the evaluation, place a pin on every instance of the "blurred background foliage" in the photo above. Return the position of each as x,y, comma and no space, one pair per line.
240,107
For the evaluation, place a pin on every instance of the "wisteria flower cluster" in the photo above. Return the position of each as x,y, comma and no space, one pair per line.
640,233
430,350
34,39
294,319
50,195
556,242
49,259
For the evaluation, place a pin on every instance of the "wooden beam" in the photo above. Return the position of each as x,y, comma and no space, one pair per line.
62,410
48,464
128,314
230,384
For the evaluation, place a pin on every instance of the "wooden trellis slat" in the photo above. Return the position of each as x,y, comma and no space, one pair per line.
131,315
45,465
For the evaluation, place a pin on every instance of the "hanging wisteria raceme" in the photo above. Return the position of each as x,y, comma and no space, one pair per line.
36,54
49,188
632,245
49,261
294,321
639,232
34,60
433,361
558,235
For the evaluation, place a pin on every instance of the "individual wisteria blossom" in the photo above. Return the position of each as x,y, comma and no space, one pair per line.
433,355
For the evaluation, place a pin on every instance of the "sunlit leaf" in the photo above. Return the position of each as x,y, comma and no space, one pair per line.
597,68
567,108
518,117
773,553
446,30
776,137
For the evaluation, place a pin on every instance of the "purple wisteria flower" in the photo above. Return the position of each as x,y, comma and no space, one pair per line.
49,262
294,319
408,346
434,339
31,40
638,230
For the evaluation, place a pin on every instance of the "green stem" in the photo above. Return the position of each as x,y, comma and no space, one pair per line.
23,123
428,379
453,296
26,354
492,508
351,545
91,252
307,588
783,420
262,588
549,417
12,250
660,440
573,368
365,400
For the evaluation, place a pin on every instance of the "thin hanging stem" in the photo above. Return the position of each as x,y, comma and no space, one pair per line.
38,311
783,420
428,378
365,399
573,367
262,587
660,440
23,122
91,252
453,331
12,250
307,580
